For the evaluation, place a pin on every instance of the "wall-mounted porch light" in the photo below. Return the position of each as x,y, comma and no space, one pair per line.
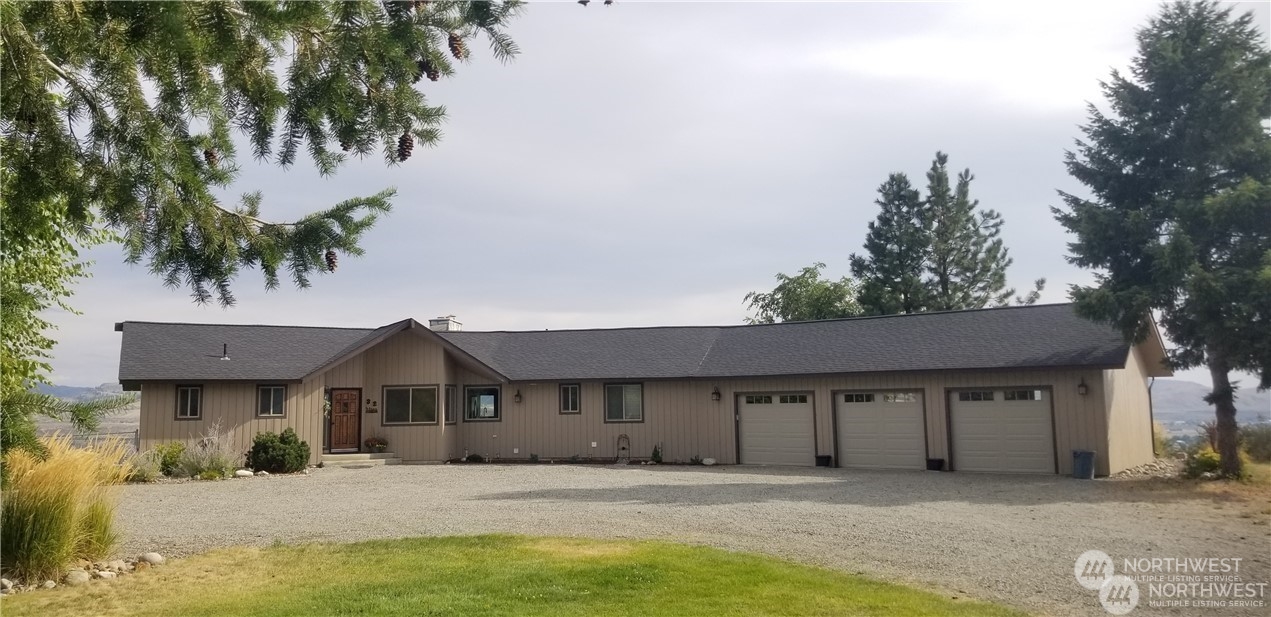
1082,388
517,396
715,395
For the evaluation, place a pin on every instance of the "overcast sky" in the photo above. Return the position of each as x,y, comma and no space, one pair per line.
650,163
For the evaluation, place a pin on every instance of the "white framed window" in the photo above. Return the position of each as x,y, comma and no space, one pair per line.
1023,395
452,404
570,398
624,402
481,404
270,401
858,397
975,395
758,399
900,397
410,405
189,402
789,399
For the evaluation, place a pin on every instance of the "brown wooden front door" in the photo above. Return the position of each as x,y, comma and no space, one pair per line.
346,418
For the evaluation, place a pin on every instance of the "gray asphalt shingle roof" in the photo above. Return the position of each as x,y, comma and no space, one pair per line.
1014,337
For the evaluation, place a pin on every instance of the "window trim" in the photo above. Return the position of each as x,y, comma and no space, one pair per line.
446,413
271,416
498,403
176,412
626,383
560,395
427,386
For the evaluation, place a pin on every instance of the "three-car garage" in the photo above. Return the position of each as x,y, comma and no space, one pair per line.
999,430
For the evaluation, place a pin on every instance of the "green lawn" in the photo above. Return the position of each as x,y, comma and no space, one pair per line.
488,575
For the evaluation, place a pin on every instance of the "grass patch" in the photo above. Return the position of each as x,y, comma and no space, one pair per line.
490,575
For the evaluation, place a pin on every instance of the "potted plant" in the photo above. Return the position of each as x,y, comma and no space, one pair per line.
377,444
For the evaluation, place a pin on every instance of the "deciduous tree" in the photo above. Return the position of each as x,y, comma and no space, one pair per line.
804,297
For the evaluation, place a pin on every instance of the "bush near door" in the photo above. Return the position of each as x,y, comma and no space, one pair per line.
276,453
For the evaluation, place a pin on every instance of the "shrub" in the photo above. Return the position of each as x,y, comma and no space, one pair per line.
1160,440
1256,441
1202,461
657,454
475,458
276,453
145,467
169,455
213,453
1208,432
212,474
61,507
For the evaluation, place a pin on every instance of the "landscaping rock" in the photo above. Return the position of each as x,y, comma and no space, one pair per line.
117,565
6,585
262,473
243,473
107,574
77,577
141,565
708,461
49,585
154,559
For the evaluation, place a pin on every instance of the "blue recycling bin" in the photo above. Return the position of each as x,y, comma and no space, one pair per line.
1083,464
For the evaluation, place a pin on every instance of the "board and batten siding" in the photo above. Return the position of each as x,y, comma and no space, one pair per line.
1129,414
405,359
233,405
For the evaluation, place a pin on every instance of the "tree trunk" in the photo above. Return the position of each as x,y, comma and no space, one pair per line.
1223,400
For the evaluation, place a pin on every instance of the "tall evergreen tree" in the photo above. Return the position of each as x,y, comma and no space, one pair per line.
967,264
896,248
1178,220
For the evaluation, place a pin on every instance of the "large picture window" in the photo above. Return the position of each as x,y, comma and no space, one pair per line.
269,401
624,402
189,402
410,405
570,398
481,404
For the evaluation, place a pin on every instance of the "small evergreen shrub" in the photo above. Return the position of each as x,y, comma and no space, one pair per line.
475,458
276,453
169,455
211,474
657,454
1256,441
1203,461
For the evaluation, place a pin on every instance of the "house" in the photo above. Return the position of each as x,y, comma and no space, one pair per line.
1013,389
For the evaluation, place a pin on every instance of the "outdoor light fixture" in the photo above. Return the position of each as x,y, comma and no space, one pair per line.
1082,388
517,398
715,395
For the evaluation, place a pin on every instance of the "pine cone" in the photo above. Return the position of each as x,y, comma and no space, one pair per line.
209,155
405,144
426,68
346,145
332,262
456,46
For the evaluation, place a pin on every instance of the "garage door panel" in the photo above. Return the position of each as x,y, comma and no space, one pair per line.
876,431
776,432
1005,436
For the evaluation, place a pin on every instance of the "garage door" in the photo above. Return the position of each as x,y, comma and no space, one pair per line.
881,429
776,429
1002,430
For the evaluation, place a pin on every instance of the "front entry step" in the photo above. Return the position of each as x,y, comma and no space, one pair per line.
360,459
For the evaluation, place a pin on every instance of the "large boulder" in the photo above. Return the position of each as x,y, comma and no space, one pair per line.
154,559
77,577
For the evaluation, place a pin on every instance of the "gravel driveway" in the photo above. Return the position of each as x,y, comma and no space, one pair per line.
1011,539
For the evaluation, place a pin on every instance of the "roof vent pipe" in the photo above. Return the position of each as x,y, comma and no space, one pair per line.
225,351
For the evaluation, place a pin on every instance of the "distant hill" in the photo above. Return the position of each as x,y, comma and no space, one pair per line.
80,393
1180,405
